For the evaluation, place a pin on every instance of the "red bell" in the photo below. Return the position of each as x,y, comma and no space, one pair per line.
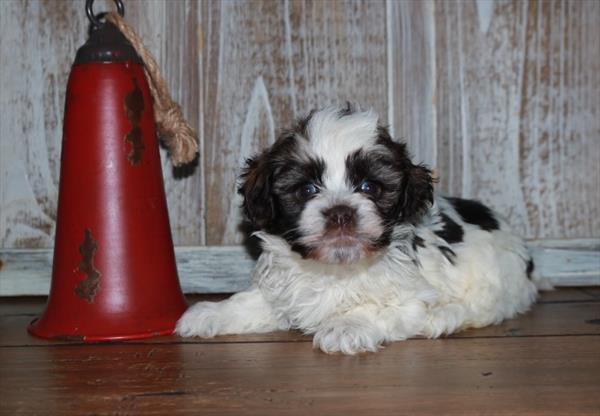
114,274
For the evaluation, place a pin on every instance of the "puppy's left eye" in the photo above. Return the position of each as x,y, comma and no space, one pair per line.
369,188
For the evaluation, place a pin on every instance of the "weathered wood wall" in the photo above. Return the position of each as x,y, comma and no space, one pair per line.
503,98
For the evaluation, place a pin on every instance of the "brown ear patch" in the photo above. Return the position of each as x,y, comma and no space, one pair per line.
418,193
256,190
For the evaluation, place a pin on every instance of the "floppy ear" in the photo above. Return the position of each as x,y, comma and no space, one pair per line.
417,192
256,189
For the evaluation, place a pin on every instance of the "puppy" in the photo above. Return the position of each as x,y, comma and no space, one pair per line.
359,251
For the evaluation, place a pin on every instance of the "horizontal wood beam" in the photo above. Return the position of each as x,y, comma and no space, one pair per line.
225,269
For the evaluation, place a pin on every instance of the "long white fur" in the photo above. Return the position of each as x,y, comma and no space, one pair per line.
397,294
333,138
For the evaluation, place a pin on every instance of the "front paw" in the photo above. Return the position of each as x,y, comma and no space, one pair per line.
348,338
202,320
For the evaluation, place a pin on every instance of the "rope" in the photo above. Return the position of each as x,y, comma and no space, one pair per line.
175,133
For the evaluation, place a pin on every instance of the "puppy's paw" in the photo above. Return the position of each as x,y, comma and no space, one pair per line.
348,338
202,320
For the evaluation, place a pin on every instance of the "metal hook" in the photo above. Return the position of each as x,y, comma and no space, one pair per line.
89,10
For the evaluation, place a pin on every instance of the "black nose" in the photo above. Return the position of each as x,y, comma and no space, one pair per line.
340,216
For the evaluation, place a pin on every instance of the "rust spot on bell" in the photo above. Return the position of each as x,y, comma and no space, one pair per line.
134,107
88,287
69,338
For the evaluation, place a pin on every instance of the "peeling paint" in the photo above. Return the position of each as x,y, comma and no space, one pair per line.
258,132
69,338
88,287
134,107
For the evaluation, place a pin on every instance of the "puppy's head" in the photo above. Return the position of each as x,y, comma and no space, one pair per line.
334,186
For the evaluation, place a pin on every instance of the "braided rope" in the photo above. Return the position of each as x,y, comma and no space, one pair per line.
174,131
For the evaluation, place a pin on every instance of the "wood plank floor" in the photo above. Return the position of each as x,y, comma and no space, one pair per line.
546,362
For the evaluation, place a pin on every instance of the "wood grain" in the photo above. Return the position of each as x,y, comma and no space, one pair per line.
560,110
555,261
549,376
226,269
266,63
242,61
180,58
518,92
503,98
36,39
38,44
412,77
170,30
542,363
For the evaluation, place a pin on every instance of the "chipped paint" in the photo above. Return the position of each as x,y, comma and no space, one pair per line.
69,338
258,132
88,287
134,107
485,11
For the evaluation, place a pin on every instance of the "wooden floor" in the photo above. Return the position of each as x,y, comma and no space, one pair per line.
546,362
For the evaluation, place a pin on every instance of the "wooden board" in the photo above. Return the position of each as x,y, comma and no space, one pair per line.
39,41
411,77
547,375
501,97
226,269
545,362
36,49
519,110
170,30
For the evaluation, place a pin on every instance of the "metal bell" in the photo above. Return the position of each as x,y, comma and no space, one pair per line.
114,274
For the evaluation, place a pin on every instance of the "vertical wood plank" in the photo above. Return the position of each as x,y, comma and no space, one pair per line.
243,78
560,119
502,97
483,96
337,52
37,46
267,62
518,119
180,57
170,29
411,74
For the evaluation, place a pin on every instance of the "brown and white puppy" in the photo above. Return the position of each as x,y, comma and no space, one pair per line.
357,248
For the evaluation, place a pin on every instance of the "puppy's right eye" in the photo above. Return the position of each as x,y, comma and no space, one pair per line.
307,190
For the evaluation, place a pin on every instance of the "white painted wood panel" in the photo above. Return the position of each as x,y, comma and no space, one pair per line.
37,47
503,98
266,63
37,43
518,117
412,76
225,269
170,29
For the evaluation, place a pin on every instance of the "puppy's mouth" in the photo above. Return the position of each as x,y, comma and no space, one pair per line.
342,248
341,237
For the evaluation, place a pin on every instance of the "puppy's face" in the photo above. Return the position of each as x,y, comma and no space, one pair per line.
334,186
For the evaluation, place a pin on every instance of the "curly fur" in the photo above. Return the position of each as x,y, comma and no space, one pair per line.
420,265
